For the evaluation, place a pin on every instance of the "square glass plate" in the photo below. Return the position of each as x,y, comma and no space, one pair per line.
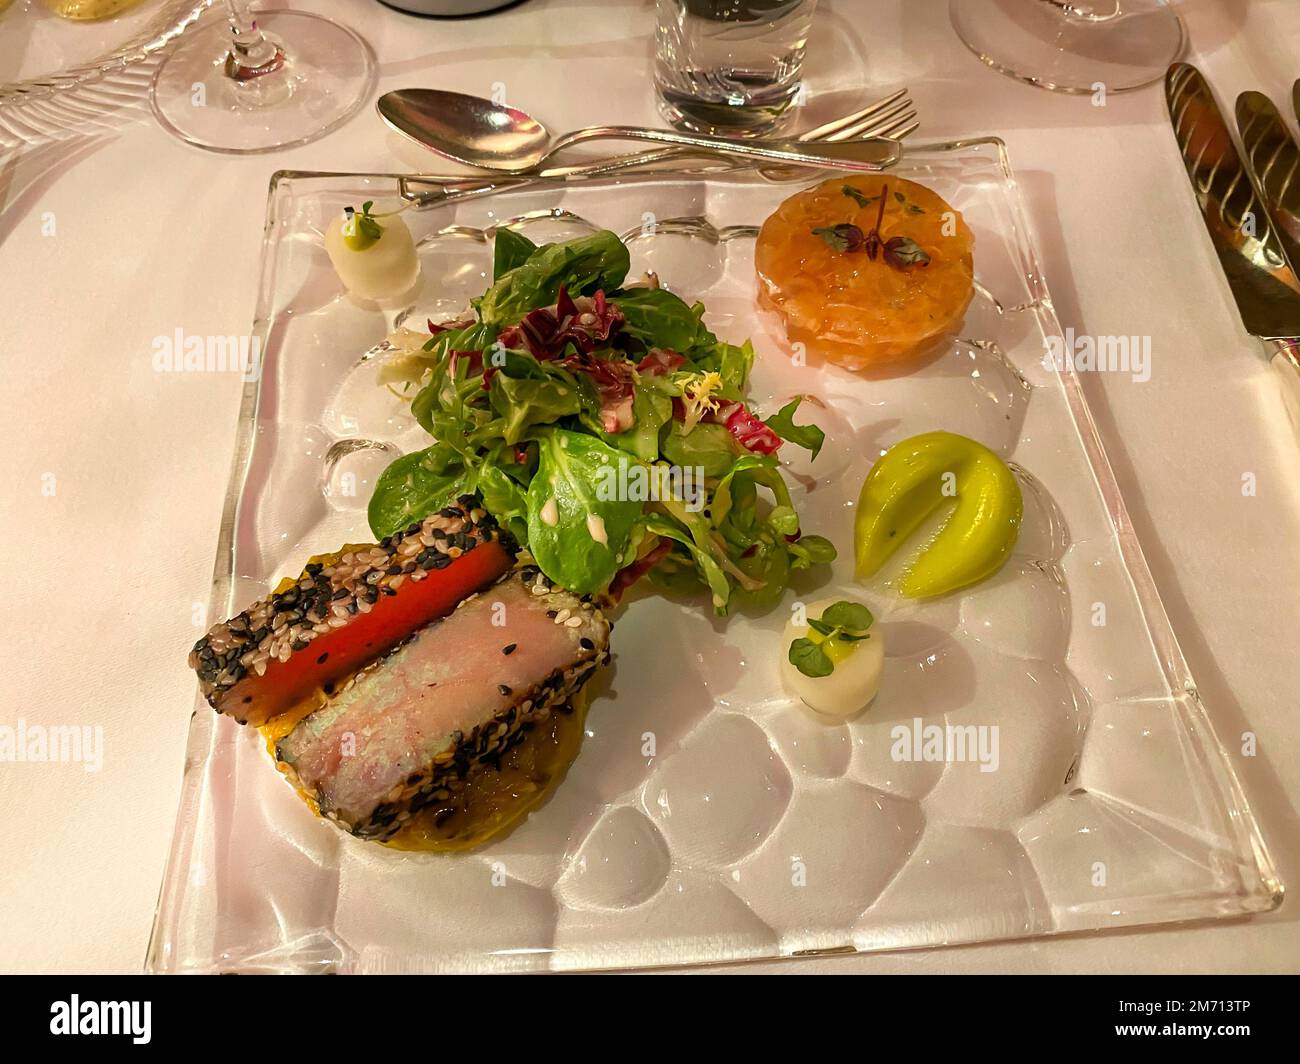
708,817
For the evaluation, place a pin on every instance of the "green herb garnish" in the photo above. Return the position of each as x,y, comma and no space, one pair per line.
810,659
363,230
842,237
857,197
902,252
844,621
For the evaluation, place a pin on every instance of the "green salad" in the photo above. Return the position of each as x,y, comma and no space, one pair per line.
607,428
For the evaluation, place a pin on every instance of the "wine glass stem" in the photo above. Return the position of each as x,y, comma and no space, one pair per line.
252,54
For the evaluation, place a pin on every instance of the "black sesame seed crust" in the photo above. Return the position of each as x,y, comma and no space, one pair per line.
469,753
329,595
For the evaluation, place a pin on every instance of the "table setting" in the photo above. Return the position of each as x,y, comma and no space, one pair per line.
763,486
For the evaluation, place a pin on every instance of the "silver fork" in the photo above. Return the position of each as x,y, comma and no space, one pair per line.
894,116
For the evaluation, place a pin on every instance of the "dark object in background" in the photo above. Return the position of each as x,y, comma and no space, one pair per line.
448,7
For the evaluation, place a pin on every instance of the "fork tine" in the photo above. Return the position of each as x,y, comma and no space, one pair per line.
898,121
896,128
826,129
904,110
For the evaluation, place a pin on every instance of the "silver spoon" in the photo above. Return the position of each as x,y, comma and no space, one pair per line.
491,136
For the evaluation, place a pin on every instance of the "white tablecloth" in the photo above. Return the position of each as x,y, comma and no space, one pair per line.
114,474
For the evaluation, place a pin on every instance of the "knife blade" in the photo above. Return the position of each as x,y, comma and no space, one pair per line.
1249,246
1274,159
1263,283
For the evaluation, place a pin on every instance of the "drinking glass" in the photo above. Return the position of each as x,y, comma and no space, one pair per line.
730,67
1072,45
253,84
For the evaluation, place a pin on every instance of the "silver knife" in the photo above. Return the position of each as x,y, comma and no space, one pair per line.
1263,283
1274,159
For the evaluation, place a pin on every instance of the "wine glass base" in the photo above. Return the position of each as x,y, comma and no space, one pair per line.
1084,47
328,73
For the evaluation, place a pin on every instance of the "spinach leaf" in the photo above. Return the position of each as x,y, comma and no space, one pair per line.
582,266
509,249
580,541
414,486
660,319
782,423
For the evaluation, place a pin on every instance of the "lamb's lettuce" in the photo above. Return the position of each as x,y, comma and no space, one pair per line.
708,447
578,526
414,486
658,318
651,410
524,402
731,362
599,261
509,249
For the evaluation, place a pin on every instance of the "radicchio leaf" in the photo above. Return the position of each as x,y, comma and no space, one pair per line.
659,361
585,322
752,434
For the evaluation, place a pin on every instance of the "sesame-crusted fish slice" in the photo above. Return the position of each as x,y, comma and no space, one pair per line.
342,614
410,729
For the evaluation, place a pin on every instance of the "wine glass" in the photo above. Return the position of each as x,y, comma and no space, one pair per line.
254,84
1072,45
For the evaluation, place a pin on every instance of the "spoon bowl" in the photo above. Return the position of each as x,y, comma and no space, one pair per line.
467,129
